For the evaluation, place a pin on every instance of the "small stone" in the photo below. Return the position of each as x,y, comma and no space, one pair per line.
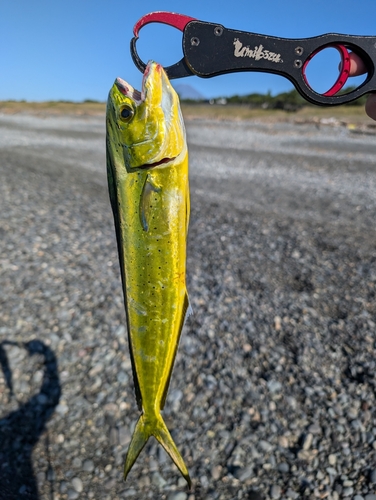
358,497
72,494
51,476
274,386
122,377
332,459
77,484
254,495
77,462
130,492
357,425
204,481
124,436
182,483
247,348
88,466
347,491
216,472
176,395
114,437
42,399
38,376
277,323
292,402
111,483
275,491
320,475
96,369
121,331
62,409
144,482
41,477
153,465
180,495
63,487
245,473
292,494
307,455
265,446
372,476
331,471
283,442
158,480
283,467
314,429
60,438
307,441
353,413
371,496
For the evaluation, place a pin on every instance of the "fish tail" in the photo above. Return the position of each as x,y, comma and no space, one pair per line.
163,435
140,437
154,427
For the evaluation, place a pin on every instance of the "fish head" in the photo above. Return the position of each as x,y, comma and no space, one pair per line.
146,127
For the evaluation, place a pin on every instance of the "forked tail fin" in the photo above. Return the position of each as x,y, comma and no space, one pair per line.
156,427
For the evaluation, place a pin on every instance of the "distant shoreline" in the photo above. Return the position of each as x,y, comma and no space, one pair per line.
338,115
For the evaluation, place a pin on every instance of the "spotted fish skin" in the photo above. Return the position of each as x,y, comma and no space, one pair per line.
147,167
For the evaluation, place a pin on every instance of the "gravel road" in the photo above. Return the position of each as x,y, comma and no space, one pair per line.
273,392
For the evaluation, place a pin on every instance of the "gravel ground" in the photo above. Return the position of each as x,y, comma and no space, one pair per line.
273,392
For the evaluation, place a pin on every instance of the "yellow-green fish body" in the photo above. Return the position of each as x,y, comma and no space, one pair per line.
147,165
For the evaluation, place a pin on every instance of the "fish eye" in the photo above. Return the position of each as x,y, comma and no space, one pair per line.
126,113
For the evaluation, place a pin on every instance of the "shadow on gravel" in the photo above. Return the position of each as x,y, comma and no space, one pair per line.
21,429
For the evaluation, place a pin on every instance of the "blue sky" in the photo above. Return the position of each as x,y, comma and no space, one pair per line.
74,49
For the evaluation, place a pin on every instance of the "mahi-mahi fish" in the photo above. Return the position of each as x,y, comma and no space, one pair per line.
147,168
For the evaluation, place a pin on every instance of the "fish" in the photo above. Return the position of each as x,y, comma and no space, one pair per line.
147,171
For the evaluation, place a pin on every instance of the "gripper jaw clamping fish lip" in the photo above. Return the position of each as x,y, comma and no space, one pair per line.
179,21
210,50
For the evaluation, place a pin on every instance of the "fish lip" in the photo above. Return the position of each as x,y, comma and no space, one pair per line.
128,90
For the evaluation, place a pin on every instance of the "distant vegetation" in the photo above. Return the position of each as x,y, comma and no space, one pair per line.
88,107
287,101
284,106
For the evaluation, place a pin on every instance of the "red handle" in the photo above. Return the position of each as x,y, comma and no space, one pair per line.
178,21
344,73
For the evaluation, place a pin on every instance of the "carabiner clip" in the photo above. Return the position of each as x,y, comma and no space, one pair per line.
178,21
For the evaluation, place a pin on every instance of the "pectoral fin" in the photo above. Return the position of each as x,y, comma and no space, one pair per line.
145,202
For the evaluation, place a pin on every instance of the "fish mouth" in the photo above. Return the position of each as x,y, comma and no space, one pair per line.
148,166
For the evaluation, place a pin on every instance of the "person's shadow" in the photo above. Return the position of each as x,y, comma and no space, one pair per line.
21,429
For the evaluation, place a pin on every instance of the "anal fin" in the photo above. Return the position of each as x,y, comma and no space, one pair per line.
186,312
